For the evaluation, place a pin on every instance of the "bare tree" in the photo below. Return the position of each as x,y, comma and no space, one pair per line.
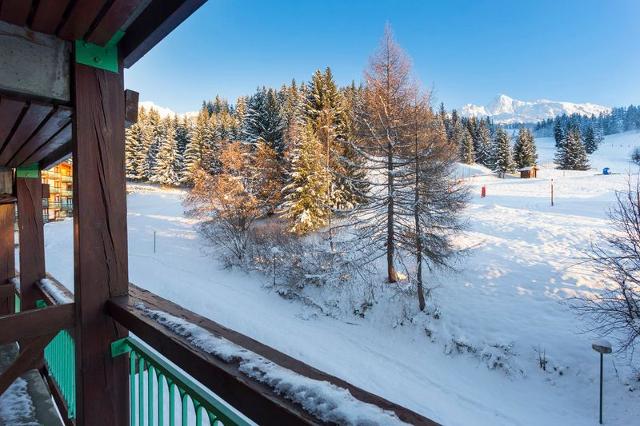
616,311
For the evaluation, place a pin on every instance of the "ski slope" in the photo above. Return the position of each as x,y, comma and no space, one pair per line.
477,362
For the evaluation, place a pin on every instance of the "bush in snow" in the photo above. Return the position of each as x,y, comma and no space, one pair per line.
616,311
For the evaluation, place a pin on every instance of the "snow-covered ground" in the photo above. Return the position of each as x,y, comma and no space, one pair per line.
480,364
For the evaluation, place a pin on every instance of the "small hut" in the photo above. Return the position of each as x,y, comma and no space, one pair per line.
528,172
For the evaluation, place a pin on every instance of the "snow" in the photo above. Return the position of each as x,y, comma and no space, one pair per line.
475,358
52,290
16,406
324,400
506,110
165,112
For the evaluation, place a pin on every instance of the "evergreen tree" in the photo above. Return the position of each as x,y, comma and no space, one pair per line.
558,133
133,145
502,158
467,153
524,150
264,121
165,171
572,155
198,151
590,143
306,204
483,145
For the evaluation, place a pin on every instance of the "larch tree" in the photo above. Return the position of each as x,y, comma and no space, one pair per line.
383,121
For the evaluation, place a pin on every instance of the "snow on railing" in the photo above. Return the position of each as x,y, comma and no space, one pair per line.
324,400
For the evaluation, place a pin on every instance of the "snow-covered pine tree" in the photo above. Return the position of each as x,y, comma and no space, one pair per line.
502,158
183,134
465,148
306,203
153,135
132,148
572,155
483,145
267,175
558,132
524,150
264,120
590,143
198,148
166,161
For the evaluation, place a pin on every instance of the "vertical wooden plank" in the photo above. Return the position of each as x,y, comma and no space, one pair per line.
48,15
100,243
7,255
31,238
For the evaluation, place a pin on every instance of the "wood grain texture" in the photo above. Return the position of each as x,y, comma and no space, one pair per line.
31,238
15,11
100,244
7,243
32,119
28,325
10,110
56,122
48,15
7,298
114,18
130,107
59,145
252,398
82,15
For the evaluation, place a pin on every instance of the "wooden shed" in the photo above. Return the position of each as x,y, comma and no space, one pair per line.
528,172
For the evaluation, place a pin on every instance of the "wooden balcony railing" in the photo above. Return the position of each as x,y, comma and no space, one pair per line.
171,379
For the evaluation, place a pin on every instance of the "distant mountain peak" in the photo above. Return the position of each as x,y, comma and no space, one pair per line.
503,109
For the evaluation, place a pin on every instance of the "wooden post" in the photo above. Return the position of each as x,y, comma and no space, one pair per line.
31,235
7,255
100,243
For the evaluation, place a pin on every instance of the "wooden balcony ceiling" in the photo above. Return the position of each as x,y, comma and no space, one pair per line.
35,50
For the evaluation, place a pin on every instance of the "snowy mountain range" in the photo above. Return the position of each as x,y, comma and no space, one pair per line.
166,112
506,110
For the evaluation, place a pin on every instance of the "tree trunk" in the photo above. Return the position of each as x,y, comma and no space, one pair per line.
391,270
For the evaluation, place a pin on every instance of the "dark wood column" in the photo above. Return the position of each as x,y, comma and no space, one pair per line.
100,243
7,257
31,235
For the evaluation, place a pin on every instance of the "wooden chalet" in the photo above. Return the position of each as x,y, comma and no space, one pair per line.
529,172
62,95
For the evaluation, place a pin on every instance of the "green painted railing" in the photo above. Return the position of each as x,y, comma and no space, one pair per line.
17,303
59,355
60,358
159,391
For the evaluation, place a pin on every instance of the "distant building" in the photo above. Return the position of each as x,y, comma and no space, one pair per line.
57,192
529,172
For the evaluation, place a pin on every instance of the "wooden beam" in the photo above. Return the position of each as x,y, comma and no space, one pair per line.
152,25
48,15
130,107
82,15
10,111
100,243
15,11
114,18
7,243
28,325
57,149
35,115
34,63
31,235
30,357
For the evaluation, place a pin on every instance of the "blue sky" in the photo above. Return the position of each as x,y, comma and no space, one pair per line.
468,51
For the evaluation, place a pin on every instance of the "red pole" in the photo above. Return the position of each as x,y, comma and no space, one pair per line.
551,192
483,191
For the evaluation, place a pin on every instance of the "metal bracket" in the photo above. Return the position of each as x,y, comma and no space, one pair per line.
105,58
120,347
31,171
40,303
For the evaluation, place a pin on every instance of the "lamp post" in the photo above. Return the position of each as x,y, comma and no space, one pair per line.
602,347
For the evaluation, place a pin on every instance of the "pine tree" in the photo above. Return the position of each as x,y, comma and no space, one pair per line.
165,165
572,155
590,143
467,153
558,133
155,135
524,150
502,158
133,144
306,204
264,121
197,154
483,145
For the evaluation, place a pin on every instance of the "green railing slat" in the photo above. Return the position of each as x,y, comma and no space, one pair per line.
132,386
172,404
141,391
161,399
151,374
